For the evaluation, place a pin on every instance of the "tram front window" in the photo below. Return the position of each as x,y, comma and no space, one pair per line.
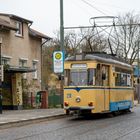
78,77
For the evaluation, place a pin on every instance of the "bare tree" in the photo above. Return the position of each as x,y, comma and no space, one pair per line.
127,36
85,40
92,41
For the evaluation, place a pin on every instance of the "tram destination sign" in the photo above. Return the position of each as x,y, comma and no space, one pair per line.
58,61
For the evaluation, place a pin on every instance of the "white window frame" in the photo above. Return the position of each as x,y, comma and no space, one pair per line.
19,26
35,74
23,62
5,60
24,75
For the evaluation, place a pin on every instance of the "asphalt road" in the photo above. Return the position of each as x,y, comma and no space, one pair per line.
103,127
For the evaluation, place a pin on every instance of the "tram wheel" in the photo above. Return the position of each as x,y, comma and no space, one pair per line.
128,110
116,113
111,115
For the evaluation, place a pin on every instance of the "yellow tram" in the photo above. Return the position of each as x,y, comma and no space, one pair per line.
97,83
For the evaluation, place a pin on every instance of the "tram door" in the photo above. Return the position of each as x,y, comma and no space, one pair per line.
105,84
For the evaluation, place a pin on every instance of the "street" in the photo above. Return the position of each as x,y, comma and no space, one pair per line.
103,127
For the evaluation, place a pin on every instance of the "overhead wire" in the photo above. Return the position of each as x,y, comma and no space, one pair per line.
95,3
89,4
83,9
110,5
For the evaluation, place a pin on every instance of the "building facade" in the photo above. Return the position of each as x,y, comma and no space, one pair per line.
21,57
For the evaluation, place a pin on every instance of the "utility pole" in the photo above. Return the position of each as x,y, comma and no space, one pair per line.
138,78
61,27
1,78
62,46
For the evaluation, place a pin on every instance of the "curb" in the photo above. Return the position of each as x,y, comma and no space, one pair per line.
30,121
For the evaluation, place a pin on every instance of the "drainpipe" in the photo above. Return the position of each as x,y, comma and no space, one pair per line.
41,57
30,24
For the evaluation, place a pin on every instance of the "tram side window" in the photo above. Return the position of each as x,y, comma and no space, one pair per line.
67,77
98,81
102,75
129,80
123,79
105,75
91,76
118,79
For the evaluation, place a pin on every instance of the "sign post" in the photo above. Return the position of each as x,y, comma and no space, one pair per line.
1,73
1,78
62,43
58,62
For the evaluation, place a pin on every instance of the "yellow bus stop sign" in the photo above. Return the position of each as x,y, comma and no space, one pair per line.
58,61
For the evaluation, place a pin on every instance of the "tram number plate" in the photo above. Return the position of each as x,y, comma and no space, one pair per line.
69,95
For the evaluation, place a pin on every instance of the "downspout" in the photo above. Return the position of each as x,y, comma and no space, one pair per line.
30,24
41,56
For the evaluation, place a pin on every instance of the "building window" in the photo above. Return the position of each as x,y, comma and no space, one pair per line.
5,60
22,63
35,67
24,76
19,26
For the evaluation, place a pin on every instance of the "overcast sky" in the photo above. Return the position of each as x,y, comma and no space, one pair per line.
45,13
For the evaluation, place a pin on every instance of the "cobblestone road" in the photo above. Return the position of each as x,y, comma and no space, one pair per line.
122,127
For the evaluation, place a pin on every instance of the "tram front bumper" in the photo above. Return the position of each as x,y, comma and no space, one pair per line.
74,108
79,110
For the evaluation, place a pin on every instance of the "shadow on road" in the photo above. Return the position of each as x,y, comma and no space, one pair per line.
99,116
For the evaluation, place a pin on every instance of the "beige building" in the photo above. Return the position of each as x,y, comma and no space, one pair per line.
21,49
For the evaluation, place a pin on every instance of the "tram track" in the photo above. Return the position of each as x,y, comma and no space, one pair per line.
73,124
102,127
44,132
128,133
21,123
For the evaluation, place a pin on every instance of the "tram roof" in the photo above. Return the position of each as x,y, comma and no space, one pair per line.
101,57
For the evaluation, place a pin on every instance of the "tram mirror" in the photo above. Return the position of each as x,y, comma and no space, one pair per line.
60,77
103,76
138,80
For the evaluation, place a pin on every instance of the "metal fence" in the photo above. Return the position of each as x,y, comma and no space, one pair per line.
54,98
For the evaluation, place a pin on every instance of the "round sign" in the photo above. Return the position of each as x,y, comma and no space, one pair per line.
58,56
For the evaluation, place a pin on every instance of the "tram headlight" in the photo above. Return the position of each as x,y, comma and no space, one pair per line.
66,104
